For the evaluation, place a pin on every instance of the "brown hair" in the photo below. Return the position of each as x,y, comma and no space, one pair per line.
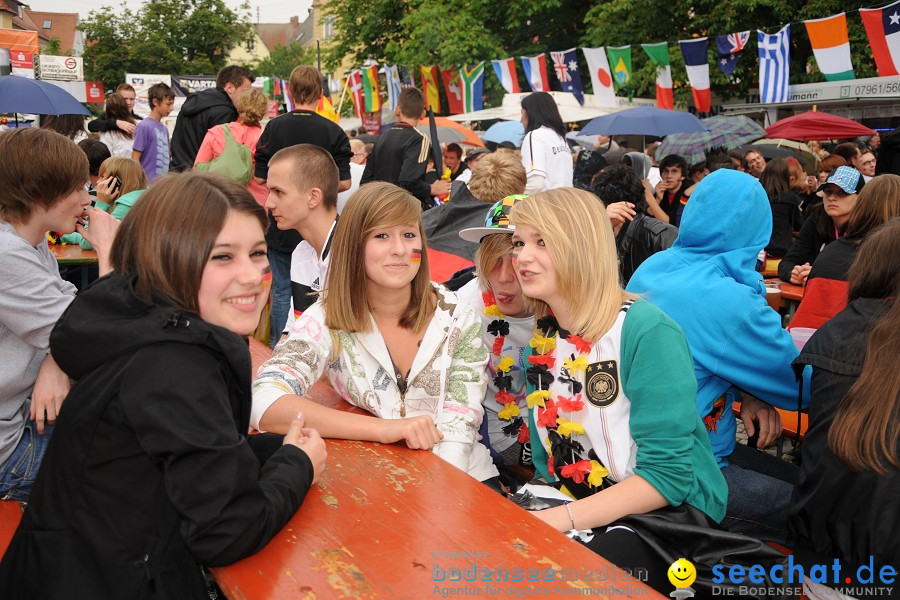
125,87
252,105
39,167
233,74
411,103
866,428
116,108
314,167
878,202
797,175
129,171
497,176
306,84
159,92
67,125
346,302
166,239
830,163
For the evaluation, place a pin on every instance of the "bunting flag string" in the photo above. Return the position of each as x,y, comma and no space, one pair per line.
774,65
659,54
565,65
831,46
601,76
472,87
392,77
370,89
729,49
696,63
454,91
506,73
430,87
535,68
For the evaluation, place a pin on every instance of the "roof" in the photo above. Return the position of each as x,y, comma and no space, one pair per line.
24,22
284,34
10,6
62,26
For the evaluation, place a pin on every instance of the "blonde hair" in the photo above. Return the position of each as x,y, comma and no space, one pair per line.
252,105
497,176
579,238
129,171
490,251
346,303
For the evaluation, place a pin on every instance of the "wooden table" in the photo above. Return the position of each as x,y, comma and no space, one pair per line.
388,522
75,255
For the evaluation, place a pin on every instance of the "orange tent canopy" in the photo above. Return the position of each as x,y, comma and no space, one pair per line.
472,138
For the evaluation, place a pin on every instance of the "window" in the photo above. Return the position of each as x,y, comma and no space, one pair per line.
251,45
328,28
47,24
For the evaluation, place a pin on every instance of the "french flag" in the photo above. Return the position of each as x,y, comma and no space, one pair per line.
506,73
696,62
883,29
536,72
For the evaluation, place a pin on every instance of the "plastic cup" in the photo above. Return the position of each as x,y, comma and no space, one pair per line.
801,335
773,296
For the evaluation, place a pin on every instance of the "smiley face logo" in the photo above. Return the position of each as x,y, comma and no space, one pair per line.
682,573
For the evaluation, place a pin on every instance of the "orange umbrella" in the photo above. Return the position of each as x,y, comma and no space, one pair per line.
468,136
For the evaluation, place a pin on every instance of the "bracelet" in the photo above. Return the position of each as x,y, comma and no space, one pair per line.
571,517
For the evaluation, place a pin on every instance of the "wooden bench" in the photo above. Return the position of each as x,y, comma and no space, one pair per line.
385,521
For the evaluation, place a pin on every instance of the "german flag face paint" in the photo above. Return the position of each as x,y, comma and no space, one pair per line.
415,255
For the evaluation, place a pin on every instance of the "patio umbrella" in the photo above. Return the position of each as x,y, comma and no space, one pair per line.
643,120
20,94
505,131
449,131
811,158
816,126
724,132
769,152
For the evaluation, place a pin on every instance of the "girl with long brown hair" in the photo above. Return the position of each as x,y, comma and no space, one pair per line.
387,339
845,502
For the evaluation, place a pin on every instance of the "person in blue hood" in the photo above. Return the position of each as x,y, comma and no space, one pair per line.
707,283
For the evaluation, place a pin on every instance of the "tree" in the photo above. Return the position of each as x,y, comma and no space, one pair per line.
54,48
282,60
164,36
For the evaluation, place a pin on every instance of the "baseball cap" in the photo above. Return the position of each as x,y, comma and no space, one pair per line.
475,152
496,221
847,178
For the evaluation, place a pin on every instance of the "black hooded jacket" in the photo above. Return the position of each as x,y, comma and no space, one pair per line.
201,111
149,473
838,513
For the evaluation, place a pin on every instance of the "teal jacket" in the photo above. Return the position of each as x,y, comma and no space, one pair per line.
120,209
673,449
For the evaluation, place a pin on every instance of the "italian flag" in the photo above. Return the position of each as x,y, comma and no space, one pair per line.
659,53
828,38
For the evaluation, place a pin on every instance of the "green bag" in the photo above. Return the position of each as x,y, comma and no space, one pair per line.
235,161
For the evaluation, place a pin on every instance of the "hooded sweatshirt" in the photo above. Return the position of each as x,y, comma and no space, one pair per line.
707,283
201,111
149,473
641,164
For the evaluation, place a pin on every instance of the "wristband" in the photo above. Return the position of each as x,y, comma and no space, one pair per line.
571,517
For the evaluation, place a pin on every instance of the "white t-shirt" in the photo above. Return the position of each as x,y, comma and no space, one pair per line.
356,173
118,144
546,154
515,345
308,271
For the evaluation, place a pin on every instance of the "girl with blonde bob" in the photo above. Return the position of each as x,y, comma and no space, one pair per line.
614,387
387,339
120,185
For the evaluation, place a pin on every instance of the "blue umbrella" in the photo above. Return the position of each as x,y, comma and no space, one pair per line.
643,120
505,131
20,94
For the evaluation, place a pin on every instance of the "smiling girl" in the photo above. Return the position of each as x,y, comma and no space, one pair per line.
150,473
613,385
387,339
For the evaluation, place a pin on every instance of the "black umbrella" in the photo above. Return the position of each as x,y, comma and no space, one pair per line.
769,152
435,147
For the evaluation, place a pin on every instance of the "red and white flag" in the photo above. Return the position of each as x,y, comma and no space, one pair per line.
354,85
535,68
601,76
506,73
883,29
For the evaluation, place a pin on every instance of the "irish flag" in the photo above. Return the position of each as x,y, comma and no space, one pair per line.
828,38
883,29
659,53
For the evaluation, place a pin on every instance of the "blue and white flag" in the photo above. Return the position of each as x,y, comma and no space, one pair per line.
774,65
729,48
392,76
406,79
565,65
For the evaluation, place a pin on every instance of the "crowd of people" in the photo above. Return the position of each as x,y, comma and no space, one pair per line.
614,316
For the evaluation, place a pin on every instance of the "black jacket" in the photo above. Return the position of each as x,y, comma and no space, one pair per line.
148,474
889,154
640,239
201,111
786,218
836,512
807,246
400,156
101,124
443,223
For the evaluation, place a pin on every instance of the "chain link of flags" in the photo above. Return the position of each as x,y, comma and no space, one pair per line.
610,68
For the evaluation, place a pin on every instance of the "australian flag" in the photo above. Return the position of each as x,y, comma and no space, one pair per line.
729,49
565,65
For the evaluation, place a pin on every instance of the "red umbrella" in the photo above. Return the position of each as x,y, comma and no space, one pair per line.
816,126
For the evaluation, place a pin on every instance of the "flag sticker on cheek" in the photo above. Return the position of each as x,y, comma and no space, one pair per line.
515,258
416,255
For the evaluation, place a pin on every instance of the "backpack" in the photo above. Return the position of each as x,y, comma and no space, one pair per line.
235,162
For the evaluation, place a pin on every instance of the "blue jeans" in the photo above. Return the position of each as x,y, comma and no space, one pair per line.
759,495
18,473
280,263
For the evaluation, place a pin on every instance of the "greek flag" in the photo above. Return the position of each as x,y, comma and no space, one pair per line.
774,65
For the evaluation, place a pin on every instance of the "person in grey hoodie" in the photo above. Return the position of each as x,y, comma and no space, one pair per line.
44,176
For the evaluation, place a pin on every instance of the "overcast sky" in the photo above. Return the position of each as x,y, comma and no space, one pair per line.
270,11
